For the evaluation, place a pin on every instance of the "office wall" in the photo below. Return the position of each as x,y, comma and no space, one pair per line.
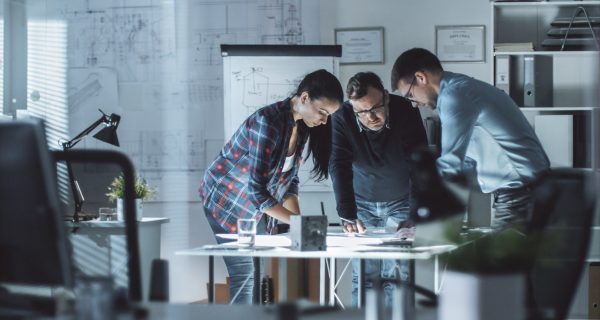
407,24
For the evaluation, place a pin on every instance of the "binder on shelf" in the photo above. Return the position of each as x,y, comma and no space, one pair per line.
503,73
537,81
555,132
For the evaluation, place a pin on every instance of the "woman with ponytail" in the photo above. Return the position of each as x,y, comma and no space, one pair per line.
255,176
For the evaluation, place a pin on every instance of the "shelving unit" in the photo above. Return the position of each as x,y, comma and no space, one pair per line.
568,89
547,81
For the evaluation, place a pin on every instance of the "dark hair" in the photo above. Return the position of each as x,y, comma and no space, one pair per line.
411,61
320,84
359,84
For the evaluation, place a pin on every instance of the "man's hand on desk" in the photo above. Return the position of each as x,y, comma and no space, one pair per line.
353,226
406,230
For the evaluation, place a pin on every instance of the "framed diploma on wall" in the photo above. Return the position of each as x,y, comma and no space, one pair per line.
460,43
360,45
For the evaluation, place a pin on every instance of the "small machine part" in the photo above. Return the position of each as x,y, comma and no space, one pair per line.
308,233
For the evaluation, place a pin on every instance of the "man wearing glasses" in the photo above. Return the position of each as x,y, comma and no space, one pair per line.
481,125
373,135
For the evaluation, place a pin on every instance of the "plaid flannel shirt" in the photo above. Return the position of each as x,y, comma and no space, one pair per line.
246,178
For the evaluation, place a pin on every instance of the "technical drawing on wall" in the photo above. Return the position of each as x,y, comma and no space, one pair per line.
284,25
134,58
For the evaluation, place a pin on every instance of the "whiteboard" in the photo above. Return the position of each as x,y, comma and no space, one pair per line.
257,76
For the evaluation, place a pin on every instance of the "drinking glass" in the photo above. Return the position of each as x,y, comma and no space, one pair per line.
246,229
107,214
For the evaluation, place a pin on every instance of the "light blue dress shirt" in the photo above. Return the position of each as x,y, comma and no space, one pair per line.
481,122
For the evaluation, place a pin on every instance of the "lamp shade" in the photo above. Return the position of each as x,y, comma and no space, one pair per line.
109,133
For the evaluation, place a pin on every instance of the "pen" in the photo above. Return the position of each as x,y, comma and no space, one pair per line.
348,221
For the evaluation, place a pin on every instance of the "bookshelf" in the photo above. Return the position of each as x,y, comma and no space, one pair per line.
564,90
550,84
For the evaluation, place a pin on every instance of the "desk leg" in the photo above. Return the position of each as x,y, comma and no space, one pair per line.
411,281
282,281
436,275
332,279
211,279
322,278
361,283
256,289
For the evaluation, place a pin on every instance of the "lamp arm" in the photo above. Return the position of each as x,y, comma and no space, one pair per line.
78,197
71,143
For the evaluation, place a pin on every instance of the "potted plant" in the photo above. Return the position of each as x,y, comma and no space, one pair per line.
116,191
486,277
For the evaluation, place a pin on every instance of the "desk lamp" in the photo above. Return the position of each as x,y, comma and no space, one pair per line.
108,134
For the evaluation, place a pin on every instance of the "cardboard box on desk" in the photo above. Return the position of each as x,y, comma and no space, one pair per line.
308,233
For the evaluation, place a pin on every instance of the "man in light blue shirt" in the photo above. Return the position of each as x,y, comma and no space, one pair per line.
480,124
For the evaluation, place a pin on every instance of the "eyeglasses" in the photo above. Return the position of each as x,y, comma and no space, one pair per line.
408,95
375,110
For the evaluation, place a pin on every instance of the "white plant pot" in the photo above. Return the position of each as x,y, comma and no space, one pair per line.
139,208
469,296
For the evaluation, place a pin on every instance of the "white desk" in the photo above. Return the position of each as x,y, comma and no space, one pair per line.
333,252
100,248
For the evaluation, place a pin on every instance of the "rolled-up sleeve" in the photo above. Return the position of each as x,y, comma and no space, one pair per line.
457,117
293,189
261,137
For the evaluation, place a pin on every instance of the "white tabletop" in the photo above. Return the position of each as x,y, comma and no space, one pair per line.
115,224
275,246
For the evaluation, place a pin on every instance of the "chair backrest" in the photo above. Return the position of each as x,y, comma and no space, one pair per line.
564,204
34,247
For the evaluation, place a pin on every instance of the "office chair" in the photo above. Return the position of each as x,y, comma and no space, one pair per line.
159,285
563,210
34,247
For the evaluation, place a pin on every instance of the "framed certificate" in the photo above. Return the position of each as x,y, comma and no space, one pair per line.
460,43
360,45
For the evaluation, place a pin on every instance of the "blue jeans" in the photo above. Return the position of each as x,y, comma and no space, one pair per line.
240,269
381,214
512,207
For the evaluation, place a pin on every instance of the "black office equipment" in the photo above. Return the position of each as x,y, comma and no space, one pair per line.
563,213
34,247
108,134
308,233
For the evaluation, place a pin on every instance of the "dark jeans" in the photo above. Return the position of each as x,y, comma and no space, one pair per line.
512,207
380,215
240,269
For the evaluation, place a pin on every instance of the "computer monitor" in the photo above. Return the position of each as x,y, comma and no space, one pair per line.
34,246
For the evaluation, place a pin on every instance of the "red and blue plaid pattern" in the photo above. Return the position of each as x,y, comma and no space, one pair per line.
246,178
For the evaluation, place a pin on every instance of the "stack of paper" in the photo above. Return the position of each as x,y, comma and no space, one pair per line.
513,47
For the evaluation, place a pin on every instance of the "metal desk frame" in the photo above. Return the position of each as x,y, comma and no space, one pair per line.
327,265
